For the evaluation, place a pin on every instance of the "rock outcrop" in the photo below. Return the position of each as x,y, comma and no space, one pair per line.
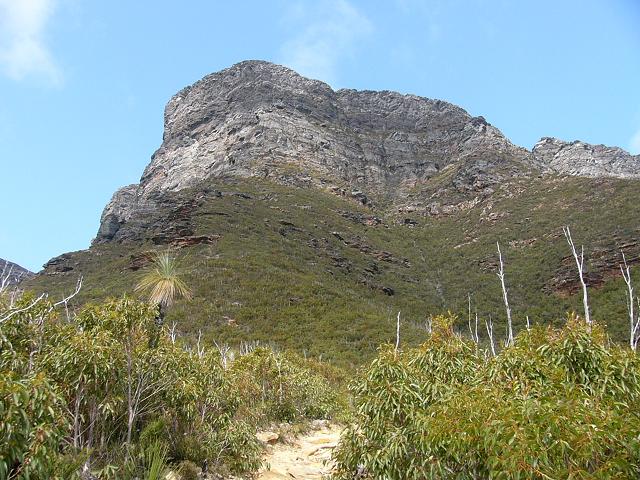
586,160
257,119
12,273
265,120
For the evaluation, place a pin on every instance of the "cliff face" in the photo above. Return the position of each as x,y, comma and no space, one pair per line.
257,119
264,120
585,160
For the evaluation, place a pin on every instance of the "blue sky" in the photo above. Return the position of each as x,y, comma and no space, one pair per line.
83,83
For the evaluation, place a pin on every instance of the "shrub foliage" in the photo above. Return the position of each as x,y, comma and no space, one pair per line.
108,391
559,403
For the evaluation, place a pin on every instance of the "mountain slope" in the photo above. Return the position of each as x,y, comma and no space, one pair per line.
12,273
307,217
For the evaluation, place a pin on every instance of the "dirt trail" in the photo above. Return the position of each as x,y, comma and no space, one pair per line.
307,457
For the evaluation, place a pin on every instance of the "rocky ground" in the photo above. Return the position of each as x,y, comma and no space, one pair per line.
306,457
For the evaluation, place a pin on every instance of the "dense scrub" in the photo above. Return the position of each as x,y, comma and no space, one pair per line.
107,391
278,273
559,403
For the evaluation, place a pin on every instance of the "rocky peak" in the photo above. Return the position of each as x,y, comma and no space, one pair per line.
260,119
12,273
586,160
255,118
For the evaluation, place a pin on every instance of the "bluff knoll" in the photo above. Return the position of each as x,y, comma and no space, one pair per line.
307,217
257,119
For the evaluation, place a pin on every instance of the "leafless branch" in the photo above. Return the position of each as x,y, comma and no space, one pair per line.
398,332
5,277
65,300
489,325
20,310
580,264
172,332
199,348
634,323
505,298
225,353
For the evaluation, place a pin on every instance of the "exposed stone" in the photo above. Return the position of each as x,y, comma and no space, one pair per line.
13,273
260,119
270,438
586,160
368,250
59,264
257,119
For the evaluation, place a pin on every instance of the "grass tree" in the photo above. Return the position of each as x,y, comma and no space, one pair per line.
163,284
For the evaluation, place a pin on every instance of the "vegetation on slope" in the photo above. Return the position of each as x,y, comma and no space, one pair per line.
324,275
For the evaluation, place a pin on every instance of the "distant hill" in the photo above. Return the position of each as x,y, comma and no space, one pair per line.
13,273
307,217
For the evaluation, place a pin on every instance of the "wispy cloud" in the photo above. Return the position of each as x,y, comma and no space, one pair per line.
328,31
23,51
634,143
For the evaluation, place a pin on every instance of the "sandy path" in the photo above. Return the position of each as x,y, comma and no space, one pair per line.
308,457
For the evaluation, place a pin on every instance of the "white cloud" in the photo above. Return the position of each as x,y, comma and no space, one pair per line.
23,51
329,31
634,143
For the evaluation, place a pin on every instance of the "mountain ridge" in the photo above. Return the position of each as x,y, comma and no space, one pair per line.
258,119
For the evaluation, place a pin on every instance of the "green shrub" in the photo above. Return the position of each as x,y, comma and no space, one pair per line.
32,426
560,403
281,387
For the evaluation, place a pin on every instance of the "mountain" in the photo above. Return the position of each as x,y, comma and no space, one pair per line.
307,217
579,158
12,273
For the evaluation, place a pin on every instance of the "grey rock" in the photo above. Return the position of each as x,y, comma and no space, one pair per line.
586,160
257,119
260,119
117,211
12,273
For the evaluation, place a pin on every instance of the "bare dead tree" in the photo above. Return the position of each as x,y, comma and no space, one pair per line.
247,347
634,323
23,309
505,298
469,314
5,277
528,323
579,259
477,339
474,334
225,353
398,332
199,347
65,300
489,325
172,332
428,324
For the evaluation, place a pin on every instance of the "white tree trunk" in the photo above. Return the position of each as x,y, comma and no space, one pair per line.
505,298
580,264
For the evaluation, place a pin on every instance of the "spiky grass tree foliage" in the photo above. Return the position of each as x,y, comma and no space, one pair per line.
559,403
163,284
